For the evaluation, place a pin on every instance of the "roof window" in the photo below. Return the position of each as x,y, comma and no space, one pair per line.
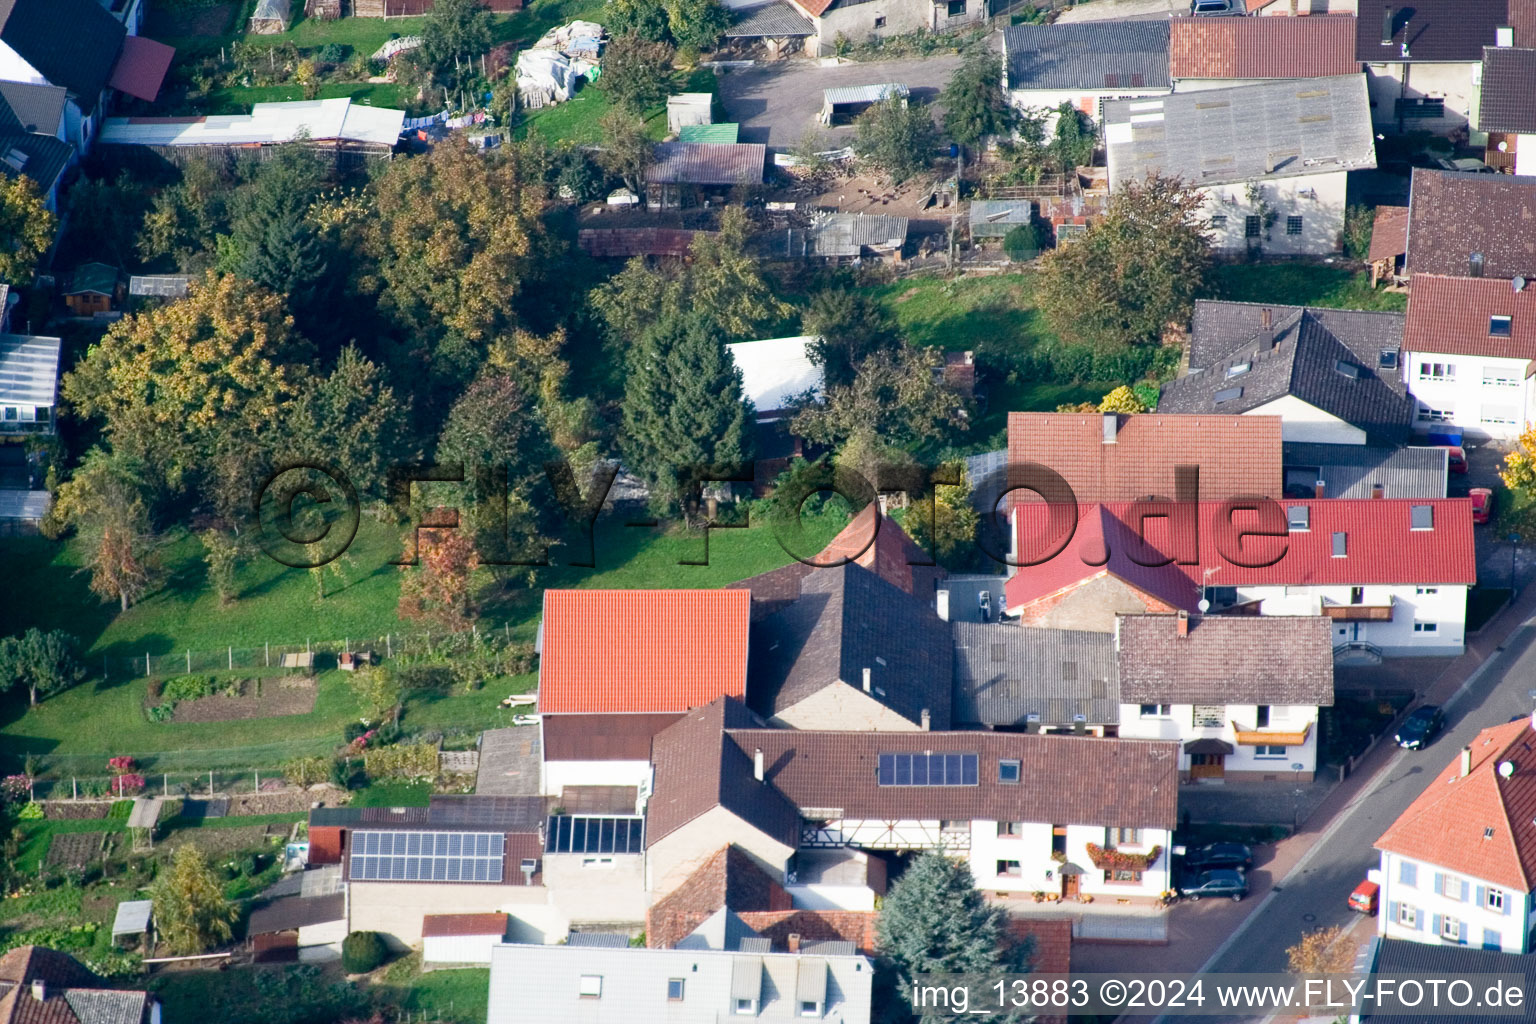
1499,326
1422,517
1387,359
1228,394
1340,545
1238,370
1349,370
1298,518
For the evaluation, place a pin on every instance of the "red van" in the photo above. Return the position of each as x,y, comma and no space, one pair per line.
1365,897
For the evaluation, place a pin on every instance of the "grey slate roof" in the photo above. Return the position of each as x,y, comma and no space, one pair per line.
846,620
29,369
292,912
1331,359
846,234
1435,30
1226,659
71,43
1091,55
1004,673
1508,101
42,158
38,108
777,20
1352,471
1220,136
707,163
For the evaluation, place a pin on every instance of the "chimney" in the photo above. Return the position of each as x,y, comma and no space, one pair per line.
867,684
1533,721
1320,489
1181,623
1111,426
927,720
40,990
1466,761
1378,491
943,605
1266,330
757,764
792,940
1386,27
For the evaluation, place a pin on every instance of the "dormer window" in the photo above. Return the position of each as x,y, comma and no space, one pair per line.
1499,326
1387,359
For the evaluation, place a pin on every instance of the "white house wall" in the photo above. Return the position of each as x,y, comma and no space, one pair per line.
1525,154
1418,889
840,706
1178,724
458,949
1318,199
831,897
560,774
1488,397
878,18
395,909
597,888
1089,101
1455,83
1444,606
1305,422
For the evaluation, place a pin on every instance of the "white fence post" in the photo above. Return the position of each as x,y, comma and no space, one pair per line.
189,662
231,656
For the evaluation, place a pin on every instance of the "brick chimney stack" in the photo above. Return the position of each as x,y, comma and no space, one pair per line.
1181,623
793,942
1320,489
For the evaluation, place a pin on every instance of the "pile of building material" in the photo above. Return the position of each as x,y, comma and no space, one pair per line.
548,72
397,45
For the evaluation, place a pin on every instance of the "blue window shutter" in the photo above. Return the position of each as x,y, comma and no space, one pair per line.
1482,896
1462,935
1509,898
1439,881
1435,924
1492,939
1408,872
1392,912
1465,886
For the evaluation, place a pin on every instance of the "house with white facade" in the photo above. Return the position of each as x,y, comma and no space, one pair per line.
1467,349
1424,60
1392,574
859,20
1240,694
1272,160
1332,376
1457,865
1028,812
614,984
1085,65
1507,108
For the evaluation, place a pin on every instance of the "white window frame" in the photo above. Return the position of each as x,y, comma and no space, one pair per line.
1499,415
1497,376
809,1009
1269,751
1447,883
1425,627
1158,711
1430,415
1437,371
745,1007
1009,868
591,986
1493,899
682,989
1408,915
1450,928
1426,591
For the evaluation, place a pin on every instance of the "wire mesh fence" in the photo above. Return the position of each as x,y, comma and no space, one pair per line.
245,783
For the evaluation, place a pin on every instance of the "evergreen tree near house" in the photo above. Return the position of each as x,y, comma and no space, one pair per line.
975,106
935,921
849,327
192,914
683,407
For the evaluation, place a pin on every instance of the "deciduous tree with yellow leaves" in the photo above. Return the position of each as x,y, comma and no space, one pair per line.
26,229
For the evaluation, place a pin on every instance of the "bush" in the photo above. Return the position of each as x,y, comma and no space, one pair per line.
361,952
306,771
187,688
32,812
341,773
1020,243
161,712
415,761
335,53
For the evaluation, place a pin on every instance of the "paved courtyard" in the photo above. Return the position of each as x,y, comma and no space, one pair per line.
509,762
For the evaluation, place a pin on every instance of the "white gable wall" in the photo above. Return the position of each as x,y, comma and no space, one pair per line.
1444,606
1318,199
1177,723
1415,906
1486,396
1455,83
1303,421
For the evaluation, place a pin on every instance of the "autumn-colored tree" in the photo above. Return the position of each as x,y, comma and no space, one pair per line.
378,692
1121,399
1322,951
438,589
104,503
724,279
897,396
181,385
1133,273
192,914
945,522
26,229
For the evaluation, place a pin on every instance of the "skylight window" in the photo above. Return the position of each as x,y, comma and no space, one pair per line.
1340,545
1238,370
1499,326
1349,370
1422,517
1228,394
1298,518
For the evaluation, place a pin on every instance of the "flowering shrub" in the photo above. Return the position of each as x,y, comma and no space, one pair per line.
15,789
1121,860
128,783
120,764
358,745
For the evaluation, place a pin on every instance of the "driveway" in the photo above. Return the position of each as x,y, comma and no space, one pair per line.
1123,10
778,104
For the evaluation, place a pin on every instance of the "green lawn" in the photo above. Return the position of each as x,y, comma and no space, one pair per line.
393,794
454,995
1301,284
576,120
238,101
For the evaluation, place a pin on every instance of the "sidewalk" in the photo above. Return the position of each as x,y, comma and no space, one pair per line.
1196,931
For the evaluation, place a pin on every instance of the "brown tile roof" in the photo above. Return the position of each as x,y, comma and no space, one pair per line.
1312,47
641,650
599,799
775,589
442,925
848,620
1448,824
622,243
1508,99
1453,215
1226,660
615,737
72,994
730,879
1522,18
1439,30
1110,782
1453,315
855,926
708,163
698,769
1237,455
1389,232
1052,938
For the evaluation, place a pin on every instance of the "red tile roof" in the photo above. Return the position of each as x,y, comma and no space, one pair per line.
621,243
1312,47
1448,824
1452,315
855,926
1380,548
1052,938
1389,232
878,543
141,67
441,925
641,650
1237,455
729,879
1226,659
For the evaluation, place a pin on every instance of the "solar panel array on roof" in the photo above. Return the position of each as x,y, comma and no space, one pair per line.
427,856
928,769
580,833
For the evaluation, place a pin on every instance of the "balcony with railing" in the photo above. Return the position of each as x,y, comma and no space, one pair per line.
1359,611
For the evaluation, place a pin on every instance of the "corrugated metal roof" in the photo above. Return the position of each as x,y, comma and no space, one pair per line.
1353,470
770,21
27,505
132,917
1093,55
267,123
726,132
846,234
600,940
707,163
863,93
29,369
1219,136
994,218
167,285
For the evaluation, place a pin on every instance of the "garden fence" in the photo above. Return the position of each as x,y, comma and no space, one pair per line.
278,656
197,784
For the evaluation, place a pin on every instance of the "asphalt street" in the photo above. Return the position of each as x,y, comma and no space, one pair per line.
1314,895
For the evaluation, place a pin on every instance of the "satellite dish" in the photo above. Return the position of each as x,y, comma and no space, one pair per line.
1204,606
1506,768
1504,147
1518,284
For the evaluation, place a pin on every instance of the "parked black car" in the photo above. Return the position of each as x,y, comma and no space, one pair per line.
1219,855
1420,727
1228,882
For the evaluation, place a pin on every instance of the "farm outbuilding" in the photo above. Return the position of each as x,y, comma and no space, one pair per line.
994,218
689,108
93,288
461,938
271,17
133,920
850,235
845,102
